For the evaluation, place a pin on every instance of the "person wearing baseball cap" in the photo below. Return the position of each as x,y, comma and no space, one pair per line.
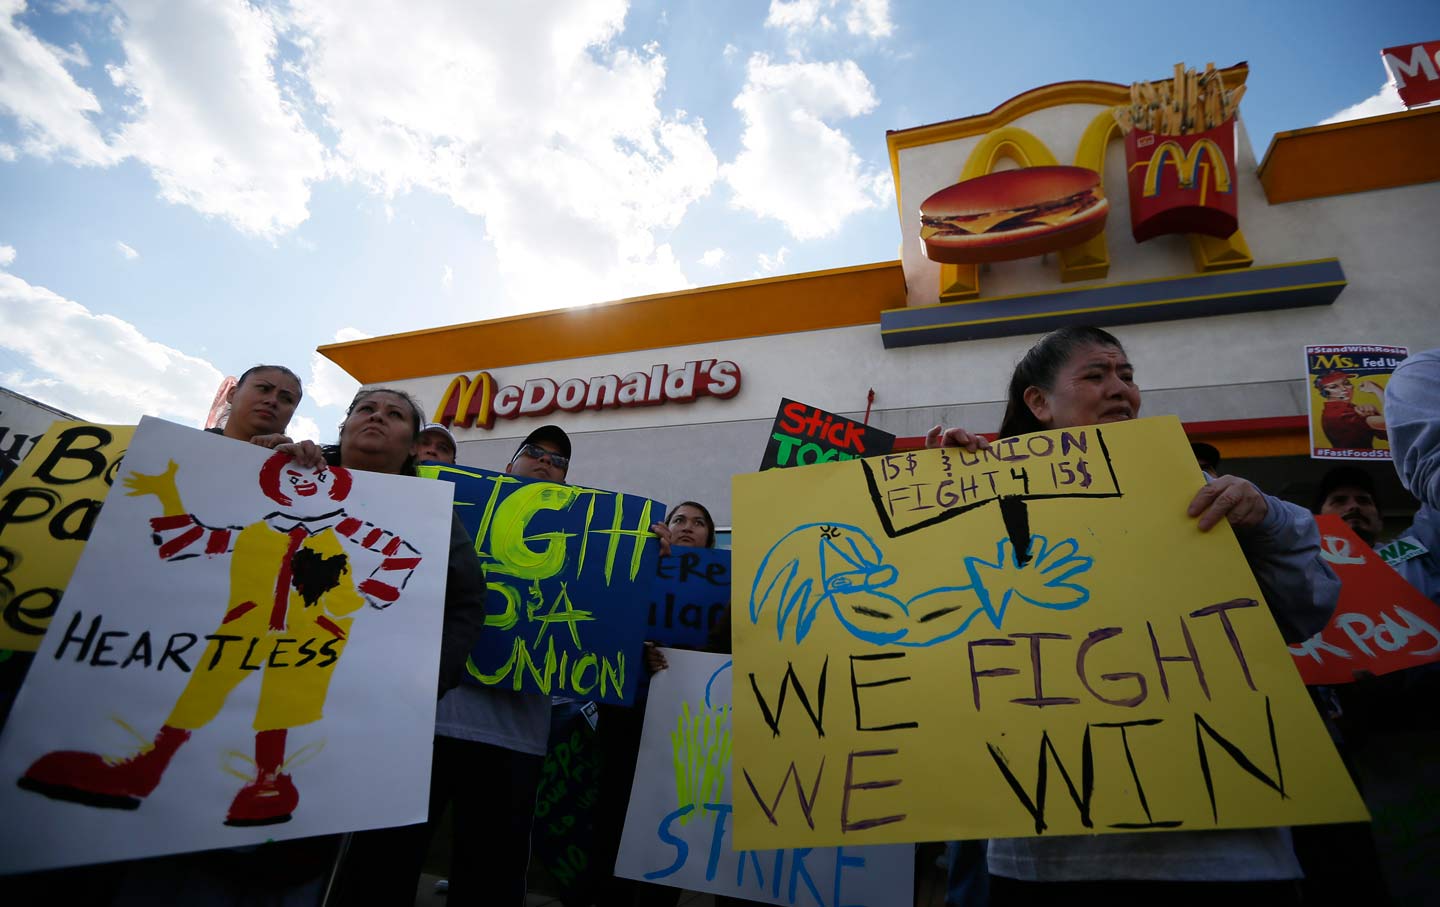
544,455
1350,492
435,445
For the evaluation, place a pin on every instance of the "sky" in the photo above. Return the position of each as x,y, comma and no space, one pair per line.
189,188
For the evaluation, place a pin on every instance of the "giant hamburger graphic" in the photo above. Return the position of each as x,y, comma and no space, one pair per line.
1013,214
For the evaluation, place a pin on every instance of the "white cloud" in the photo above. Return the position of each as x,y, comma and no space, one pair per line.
211,122
770,264
8,152
304,428
64,7
1386,100
447,278
7,256
870,18
329,384
712,258
730,51
98,366
129,253
793,167
53,111
528,115
867,18
795,15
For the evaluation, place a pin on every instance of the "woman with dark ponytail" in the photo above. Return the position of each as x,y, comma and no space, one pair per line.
1078,376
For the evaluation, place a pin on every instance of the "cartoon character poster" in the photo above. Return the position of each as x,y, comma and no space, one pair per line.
1347,400
246,650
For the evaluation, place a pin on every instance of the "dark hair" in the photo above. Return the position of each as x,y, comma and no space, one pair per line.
710,540
271,368
417,419
1038,368
1345,477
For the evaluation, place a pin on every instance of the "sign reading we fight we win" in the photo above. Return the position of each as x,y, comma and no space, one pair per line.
1029,641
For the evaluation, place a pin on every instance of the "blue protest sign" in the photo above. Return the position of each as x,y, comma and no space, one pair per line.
688,597
568,569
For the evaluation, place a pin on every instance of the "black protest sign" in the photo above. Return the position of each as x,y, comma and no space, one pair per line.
804,435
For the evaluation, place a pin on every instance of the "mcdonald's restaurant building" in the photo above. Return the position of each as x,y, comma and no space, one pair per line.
1337,241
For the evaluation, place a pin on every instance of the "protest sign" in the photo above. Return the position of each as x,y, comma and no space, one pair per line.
1031,640
47,509
1381,624
689,596
565,802
568,568
1347,400
23,422
212,564
678,827
804,435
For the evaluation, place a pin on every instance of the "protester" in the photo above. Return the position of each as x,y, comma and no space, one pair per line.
1081,376
1412,400
261,404
1208,458
1350,492
435,445
618,736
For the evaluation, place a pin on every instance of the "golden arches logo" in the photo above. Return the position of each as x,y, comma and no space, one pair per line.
467,403
1188,165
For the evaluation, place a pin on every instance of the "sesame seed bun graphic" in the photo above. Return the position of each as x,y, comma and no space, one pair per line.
1013,214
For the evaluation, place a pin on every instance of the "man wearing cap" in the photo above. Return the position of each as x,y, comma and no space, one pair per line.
489,749
1347,425
1207,457
1350,492
435,445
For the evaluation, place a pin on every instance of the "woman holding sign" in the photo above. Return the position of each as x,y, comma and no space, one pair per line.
1079,376
261,404
618,736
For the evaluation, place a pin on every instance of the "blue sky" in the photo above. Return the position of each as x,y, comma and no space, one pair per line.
188,188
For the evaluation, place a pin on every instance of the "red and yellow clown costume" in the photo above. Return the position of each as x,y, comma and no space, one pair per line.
293,588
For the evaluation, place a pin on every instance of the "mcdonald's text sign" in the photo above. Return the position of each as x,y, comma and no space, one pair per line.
1415,69
478,402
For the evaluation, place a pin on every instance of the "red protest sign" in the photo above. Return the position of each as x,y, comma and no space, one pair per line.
1415,69
1382,623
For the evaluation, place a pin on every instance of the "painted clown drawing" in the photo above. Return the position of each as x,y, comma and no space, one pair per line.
263,614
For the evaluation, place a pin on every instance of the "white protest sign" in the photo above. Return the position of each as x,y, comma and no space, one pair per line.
677,830
247,650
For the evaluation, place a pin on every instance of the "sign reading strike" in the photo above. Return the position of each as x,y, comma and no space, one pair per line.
47,509
568,569
1381,624
1415,70
919,666
477,402
805,435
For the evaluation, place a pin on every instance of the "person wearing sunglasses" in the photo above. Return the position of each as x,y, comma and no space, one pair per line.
543,455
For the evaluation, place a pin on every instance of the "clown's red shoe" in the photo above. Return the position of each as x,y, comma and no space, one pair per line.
268,800
97,780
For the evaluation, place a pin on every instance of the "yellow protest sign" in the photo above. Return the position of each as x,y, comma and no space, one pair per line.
47,506
902,675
